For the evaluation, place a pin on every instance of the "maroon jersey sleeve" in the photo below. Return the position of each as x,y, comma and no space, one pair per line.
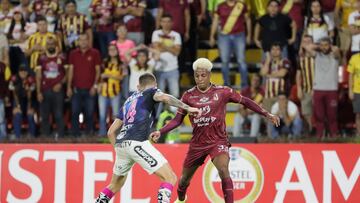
230,95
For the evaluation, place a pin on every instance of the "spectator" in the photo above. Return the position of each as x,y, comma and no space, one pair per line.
168,43
16,34
244,115
354,23
83,77
39,8
342,11
50,77
71,25
6,14
123,44
109,87
22,85
180,15
24,8
304,81
317,24
141,64
290,121
274,70
274,27
102,20
37,42
232,15
354,87
3,98
51,19
325,86
131,13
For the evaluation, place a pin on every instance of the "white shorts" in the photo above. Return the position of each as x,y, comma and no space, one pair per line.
144,153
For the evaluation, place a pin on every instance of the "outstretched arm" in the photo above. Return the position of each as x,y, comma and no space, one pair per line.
172,101
174,123
250,104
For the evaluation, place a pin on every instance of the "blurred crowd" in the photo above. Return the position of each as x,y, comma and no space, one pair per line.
64,63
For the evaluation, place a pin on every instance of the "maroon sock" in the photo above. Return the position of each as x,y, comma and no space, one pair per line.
182,192
227,187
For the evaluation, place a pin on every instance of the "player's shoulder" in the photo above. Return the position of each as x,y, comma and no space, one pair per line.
222,88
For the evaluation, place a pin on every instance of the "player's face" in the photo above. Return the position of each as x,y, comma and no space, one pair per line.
273,8
325,47
166,23
42,26
121,32
202,78
23,74
275,51
70,8
315,7
307,40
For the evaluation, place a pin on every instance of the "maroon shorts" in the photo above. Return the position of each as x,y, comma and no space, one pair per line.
196,155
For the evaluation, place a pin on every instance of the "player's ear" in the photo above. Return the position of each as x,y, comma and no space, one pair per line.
138,87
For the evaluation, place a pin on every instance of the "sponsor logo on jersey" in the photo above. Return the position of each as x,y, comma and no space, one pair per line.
204,99
216,97
205,110
146,156
246,172
204,121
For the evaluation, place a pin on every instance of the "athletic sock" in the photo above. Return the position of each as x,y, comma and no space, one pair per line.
227,187
164,193
105,196
182,192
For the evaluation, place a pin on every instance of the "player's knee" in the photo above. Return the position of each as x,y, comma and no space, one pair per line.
223,172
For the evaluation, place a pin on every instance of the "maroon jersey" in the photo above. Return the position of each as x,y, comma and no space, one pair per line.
210,127
52,71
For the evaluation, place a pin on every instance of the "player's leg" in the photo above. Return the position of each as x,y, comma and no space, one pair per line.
108,192
220,158
123,164
151,160
184,182
195,157
168,179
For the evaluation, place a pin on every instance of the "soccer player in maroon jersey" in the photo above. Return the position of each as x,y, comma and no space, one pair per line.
209,130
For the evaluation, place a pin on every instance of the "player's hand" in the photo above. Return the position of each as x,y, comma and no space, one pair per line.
274,119
154,136
195,111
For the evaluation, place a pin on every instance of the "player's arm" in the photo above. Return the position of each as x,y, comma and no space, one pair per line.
172,101
115,126
236,97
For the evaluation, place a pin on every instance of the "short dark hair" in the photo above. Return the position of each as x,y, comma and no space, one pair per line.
308,36
275,44
167,15
146,79
276,1
40,18
283,93
70,2
326,39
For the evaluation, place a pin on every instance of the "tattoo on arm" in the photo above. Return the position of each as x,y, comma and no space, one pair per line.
177,103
